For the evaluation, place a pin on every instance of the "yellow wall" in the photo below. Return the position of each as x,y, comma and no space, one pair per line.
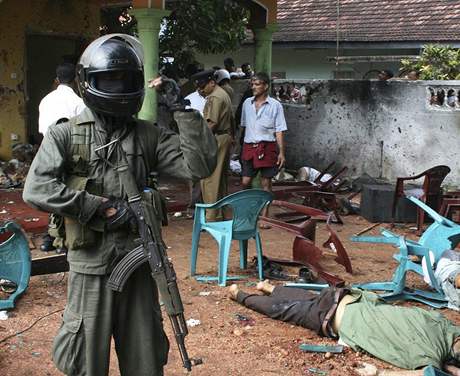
64,17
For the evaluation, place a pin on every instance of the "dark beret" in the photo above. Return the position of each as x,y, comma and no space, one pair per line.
202,78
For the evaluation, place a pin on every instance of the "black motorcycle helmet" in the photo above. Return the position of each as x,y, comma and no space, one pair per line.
110,75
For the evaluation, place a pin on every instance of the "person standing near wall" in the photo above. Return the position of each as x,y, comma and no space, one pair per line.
218,115
59,105
262,119
222,78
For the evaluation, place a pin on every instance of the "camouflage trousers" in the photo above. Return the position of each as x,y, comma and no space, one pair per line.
94,314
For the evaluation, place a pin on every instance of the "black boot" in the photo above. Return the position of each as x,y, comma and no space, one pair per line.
47,244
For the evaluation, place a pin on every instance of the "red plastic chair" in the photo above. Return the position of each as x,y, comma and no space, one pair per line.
430,192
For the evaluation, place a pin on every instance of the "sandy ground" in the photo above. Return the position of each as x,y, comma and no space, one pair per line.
226,346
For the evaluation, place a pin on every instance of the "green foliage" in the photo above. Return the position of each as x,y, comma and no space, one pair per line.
206,26
117,20
436,62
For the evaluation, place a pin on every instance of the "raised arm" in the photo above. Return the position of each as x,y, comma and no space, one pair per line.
191,154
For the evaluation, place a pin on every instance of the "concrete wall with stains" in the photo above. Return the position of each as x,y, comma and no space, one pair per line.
17,18
386,129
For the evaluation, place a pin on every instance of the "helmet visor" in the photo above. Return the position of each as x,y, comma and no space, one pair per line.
117,82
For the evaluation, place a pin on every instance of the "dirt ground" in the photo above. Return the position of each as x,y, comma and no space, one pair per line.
227,347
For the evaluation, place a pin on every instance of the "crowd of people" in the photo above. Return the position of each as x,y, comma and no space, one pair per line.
77,176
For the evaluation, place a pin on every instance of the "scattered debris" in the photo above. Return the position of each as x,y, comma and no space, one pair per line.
245,320
204,293
3,315
321,348
7,286
193,322
3,211
235,167
178,214
317,371
282,175
367,369
13,173
310,174
368,228
238,332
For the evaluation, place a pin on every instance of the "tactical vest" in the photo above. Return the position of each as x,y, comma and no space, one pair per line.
77,235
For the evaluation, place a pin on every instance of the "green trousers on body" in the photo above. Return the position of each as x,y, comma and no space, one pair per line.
94,314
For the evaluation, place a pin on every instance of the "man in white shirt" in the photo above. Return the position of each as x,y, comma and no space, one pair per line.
61,103
262,119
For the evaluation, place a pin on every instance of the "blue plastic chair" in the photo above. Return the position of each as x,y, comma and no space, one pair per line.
441,235
246,206
15,262
433,371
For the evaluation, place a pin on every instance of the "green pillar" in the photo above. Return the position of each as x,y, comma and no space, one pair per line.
263,38
148,26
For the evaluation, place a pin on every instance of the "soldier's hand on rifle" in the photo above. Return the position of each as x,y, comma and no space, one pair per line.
116,213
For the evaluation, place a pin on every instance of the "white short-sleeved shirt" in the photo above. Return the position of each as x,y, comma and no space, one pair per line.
60,103
263,124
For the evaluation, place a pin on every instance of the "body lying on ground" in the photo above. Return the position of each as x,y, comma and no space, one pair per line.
447,274
363,321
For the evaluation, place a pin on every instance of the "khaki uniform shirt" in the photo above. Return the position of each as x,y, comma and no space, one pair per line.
229,90
60,181
218,109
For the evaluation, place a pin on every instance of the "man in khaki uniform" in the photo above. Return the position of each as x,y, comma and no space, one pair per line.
75,175
219,117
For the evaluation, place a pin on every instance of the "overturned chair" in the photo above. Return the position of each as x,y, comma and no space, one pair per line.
320,194
304,250
15,261
246,206
441,235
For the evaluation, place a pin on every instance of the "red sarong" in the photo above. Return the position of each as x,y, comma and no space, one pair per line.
262,154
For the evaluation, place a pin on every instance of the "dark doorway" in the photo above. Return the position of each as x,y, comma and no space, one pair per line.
43,54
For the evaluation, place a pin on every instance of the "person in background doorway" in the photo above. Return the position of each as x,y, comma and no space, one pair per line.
61,103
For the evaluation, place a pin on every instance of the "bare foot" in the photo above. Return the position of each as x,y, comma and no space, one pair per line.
265,286
457,281
452,370
233,291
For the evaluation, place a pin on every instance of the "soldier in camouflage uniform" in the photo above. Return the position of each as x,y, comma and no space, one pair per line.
74,175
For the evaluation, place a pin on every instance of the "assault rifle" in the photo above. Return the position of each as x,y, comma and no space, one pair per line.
162,270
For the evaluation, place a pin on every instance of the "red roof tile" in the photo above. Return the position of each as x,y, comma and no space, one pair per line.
368,20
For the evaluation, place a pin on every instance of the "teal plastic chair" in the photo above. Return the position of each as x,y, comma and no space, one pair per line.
441,235
433,371
15,261
246,206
